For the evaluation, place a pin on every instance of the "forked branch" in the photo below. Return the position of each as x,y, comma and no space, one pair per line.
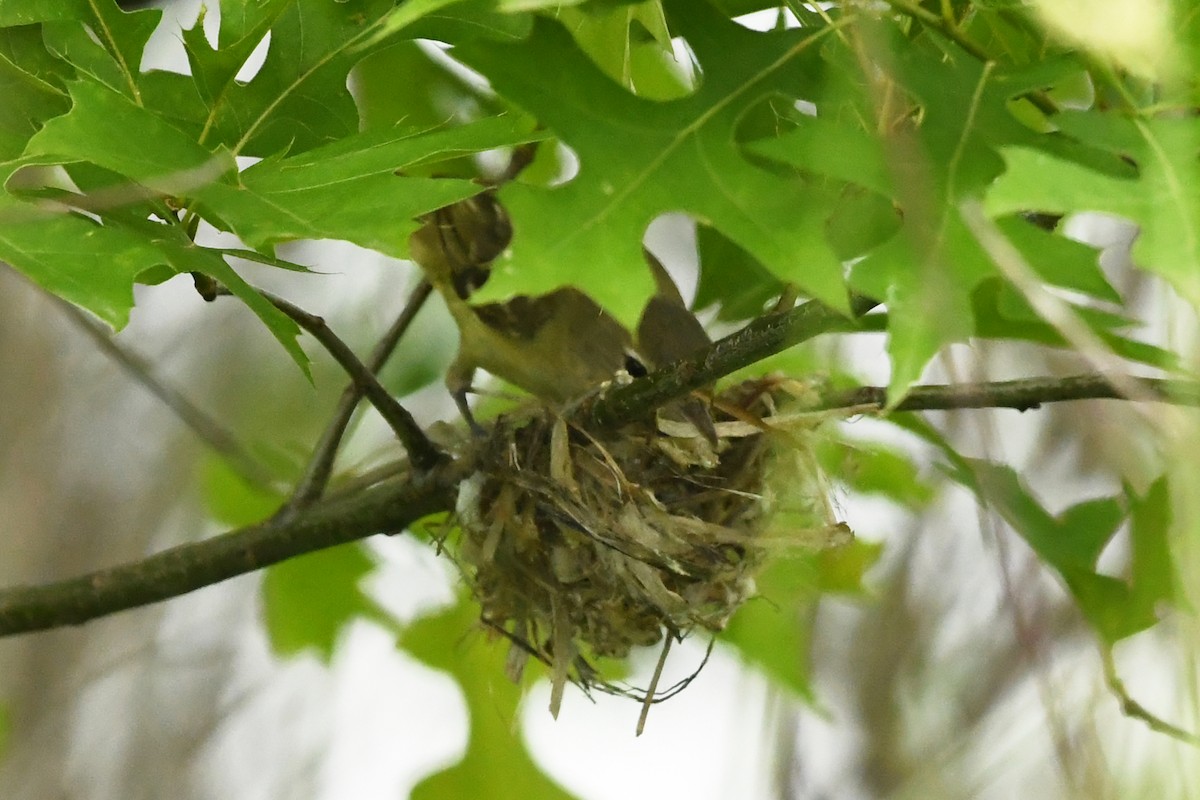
395,503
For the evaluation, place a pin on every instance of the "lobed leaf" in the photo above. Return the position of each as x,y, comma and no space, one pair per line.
97,129
308,601
71,256
640,158
1072,542
494,747
299,97
353,189
1163,198
31,83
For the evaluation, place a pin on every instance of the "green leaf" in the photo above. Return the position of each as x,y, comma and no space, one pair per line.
1071,545
513,6
630,43
1164,199
405,15
243,26
731,278
927,271
451,641
159,156
833,148
872,468
1058,260
230,500
927,288
419,101
30,83
773,631
104,43
736,8
28,12
308,600
184,255
1152,571
859,221
640,158
61,252
842,569
351,189
1002,313
468,20
299,98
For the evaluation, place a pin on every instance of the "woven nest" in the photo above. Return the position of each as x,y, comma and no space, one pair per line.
580,546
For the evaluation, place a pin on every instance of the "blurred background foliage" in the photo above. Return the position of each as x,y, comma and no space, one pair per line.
959,647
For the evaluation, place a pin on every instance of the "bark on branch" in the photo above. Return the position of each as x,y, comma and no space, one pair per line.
386,508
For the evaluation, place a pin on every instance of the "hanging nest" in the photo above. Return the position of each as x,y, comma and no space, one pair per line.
579,545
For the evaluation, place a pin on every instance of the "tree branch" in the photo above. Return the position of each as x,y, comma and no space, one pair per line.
386,508
395,503
422,451
1023,395
765,336
316,475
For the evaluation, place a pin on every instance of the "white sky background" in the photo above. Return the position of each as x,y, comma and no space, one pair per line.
376,722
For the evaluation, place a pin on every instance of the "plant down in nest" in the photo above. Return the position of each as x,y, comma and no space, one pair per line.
581,545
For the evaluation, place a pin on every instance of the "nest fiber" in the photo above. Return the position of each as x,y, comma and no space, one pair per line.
578,545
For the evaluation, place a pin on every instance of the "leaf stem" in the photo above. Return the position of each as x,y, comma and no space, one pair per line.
1135,710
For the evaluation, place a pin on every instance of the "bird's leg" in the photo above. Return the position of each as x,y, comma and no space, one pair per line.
458,381
460,400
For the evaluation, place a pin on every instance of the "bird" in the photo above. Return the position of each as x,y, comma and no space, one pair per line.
667,332
556,346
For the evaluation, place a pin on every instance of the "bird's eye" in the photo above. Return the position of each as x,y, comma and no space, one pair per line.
635,367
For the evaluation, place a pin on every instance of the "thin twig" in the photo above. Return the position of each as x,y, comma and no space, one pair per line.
422,451
1022,395
206,428
658,669
1135,710
365,480
320,466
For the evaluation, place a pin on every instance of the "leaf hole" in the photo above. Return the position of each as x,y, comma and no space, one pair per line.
437,53
767,19
671,237
255,60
